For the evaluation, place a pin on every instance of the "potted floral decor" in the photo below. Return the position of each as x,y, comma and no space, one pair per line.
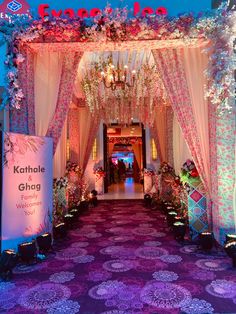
148,179
167,180
99,180
59,198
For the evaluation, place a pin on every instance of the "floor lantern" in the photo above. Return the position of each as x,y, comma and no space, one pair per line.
230,249
147,200
69,221
179,230
8,261
206,240
171,218
93,200
74,212
44,242
27,252
59,231
83,206
230,237
180,219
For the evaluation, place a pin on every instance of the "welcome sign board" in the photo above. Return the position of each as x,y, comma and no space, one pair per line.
27,193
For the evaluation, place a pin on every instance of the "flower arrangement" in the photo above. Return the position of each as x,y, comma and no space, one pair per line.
165,167
189,169
115,25
99,172
189,174
73,167
59,198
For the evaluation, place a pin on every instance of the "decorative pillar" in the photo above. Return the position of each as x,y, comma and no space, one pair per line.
197,209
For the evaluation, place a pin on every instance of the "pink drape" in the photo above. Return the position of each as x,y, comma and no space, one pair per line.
179,83
169,134
180,148
69,70
94,125
137,148
88,128
154,134
195,64
159,131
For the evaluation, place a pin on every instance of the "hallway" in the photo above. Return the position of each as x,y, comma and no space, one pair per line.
127,189
122,259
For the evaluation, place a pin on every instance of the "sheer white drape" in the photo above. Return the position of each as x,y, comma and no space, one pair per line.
195,65
84,127
59,158
160,132
48,68
88,127
182,71
180,148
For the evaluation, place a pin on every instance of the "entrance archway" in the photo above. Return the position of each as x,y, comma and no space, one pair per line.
176,60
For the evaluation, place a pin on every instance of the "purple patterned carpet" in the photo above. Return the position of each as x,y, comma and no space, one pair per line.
122,259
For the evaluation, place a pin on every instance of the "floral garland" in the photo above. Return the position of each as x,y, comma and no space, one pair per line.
147,88
99,173
117,26
73,167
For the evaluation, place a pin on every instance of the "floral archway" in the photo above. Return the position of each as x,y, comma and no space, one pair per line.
167,38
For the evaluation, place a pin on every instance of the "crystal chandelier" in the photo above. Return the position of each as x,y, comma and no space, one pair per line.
123,87
118,77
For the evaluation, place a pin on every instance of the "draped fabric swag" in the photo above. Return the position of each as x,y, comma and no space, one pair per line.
137,148
48,69
54,80
59,158
88,127
159,131
180,148
195,65
69,66
186,102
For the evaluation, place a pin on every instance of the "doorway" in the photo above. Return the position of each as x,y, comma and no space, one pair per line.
124,159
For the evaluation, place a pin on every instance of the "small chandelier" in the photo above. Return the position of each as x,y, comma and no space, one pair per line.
114,78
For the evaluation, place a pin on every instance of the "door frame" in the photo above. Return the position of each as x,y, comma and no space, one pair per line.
105,150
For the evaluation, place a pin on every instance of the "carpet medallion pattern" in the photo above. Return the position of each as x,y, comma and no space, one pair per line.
122,259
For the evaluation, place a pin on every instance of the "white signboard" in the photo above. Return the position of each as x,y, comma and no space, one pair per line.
27,192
